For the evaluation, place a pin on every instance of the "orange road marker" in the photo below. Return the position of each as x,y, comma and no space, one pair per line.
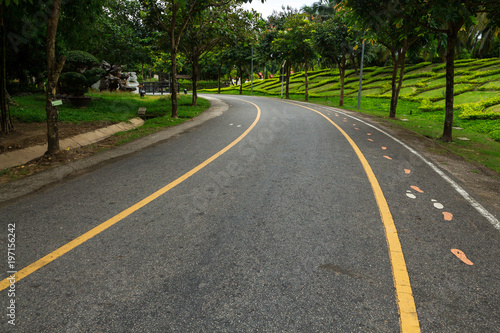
384,148
448,216
407,171
460,255
417,189
387,157
370,140
368,134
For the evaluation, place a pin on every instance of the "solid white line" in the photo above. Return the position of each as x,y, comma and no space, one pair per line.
473,202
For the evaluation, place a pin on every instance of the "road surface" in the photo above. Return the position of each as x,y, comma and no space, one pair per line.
276,216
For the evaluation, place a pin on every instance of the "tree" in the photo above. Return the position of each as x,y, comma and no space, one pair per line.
5,119
322,9
240,39
264,48
203,33
383,21
172,17
449,17
279,48
54,68
297,35
6,125
479,40
335,42
121,36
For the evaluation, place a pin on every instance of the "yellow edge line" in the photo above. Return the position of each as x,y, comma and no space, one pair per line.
406,303
4,284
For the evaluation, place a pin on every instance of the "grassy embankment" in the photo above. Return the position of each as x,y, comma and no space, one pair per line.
421,104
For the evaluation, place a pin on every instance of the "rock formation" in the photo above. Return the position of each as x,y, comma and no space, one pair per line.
114,79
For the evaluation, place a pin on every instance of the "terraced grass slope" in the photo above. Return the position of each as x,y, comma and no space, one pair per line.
477,86
421,105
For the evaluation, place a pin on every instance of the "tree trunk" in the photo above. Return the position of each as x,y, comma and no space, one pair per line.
402,65
305,75
173,88
394,97
241,79
341,66
450,78
173,57
288,68
195,80
54,68
5,120
218,75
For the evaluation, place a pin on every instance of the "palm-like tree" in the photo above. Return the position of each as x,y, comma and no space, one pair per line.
322,9
479,39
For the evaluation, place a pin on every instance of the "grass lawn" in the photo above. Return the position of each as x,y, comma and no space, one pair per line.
471,97
113,107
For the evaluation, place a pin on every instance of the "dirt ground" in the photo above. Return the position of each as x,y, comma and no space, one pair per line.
31,134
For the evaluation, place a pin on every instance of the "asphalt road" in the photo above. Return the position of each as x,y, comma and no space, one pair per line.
270,217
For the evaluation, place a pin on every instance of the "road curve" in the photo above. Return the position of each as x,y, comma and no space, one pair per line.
270,217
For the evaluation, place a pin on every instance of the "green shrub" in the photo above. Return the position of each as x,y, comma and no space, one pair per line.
93,75
79,61
417,66
477,111
438,68
73,83
495,135
426,105
386,87
79,73
420,75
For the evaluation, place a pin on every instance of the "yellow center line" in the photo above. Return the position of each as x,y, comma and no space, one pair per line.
406,304
4,284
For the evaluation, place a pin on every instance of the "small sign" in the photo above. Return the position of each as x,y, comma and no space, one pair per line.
58,102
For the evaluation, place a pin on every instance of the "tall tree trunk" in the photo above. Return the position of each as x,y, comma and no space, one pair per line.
341,66
241,79
396,88
195,80
173,88
288,68
173,57
305,74
54,68
5,120
218,75
450,78
394,97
